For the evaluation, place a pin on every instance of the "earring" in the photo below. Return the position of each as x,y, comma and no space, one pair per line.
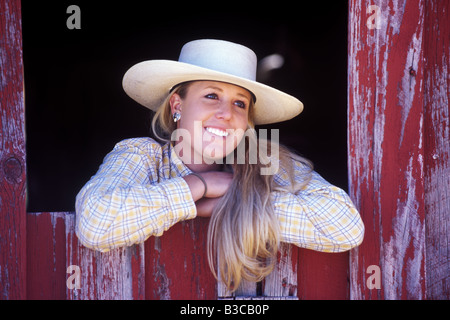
176,117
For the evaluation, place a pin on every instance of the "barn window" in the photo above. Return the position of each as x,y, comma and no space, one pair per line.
395,102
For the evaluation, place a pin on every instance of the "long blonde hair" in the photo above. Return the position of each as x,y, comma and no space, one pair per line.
243,233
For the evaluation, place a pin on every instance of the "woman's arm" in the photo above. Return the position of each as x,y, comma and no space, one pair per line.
320,217
125,203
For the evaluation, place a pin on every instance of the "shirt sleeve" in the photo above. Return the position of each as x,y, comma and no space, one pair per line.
320,216
125,202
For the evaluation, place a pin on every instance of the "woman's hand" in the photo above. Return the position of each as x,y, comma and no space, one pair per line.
205,206
217,183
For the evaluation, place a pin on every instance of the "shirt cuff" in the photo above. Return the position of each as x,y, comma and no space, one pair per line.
181,204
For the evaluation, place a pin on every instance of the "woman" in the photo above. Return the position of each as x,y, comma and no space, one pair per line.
212,164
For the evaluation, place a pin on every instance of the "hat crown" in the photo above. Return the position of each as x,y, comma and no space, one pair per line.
222,56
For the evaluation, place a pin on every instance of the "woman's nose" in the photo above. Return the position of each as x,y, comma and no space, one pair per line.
224,111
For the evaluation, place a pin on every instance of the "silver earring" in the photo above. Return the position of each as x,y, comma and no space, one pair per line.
176,117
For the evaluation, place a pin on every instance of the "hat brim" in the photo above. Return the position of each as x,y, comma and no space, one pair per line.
149,83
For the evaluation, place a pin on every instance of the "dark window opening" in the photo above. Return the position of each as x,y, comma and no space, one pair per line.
76,110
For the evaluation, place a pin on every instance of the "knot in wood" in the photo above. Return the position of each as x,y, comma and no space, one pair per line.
12,168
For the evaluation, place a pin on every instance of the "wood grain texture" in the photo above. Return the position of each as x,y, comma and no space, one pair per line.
323,276
398,137
46,250
53,248
385,133
177,266
171,267
12,155
437,148
282,282
115,275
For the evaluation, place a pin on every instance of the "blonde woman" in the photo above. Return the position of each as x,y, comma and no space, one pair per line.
210,162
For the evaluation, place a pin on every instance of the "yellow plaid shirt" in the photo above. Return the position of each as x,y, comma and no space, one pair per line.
139,192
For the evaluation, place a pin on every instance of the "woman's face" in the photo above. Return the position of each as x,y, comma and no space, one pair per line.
214,117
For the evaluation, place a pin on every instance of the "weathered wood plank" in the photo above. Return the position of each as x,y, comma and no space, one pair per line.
60,268
385,138
84,259
323,276
115,275
12,155
282,282
177,265
46,251
437,147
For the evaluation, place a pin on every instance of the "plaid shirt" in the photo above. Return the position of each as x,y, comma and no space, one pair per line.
139,192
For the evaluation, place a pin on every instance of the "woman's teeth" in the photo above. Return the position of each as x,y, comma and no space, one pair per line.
217,132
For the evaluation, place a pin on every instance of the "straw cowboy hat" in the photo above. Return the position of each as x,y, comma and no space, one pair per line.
150,82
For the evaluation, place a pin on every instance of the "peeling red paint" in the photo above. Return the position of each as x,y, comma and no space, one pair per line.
388,134
13,262
437,149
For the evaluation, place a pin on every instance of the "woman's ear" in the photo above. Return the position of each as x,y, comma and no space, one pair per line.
175,103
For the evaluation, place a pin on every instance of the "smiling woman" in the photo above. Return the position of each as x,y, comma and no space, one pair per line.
144,187
221,111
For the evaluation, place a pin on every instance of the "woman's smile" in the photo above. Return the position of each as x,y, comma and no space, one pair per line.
217,131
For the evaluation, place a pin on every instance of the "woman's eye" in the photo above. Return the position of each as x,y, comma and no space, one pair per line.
211,96
240,104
